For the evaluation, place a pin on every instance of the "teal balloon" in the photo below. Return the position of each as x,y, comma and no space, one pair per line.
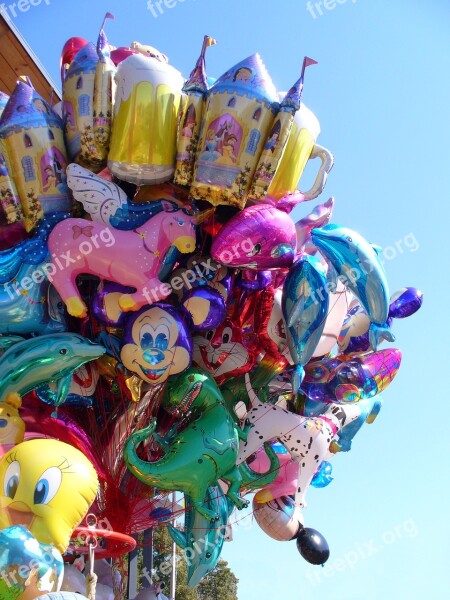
202,539
322,476
23,557
305,307
34,363
29,304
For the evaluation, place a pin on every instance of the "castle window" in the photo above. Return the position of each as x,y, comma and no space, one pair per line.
83,105
50,135
80,83
232,102
27,141
253,141
257,114
28,168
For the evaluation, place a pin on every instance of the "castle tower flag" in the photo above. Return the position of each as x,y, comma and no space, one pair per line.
278,138
33,140
196,90
240,112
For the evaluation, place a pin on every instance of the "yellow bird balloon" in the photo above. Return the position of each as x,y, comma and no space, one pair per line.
47,486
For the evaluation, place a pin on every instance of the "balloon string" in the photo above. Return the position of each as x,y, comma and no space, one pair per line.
91,579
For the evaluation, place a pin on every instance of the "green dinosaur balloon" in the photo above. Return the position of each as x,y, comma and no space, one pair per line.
203,452
237,390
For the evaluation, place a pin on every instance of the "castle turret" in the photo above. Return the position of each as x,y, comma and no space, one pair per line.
78,108
33,140
277,140
104,89
196,90
12,223
240,112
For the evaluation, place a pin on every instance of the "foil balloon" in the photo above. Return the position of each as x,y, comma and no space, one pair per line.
35,152
36,362
270,326
201,453
322,477
357,264
301,146
354,335
305,307
12,426
318,217
285,483
347,379
120,54
157,343
196,91
68,53
12,224
237,120
146,104
313,546
231,349
280,519
87,103
206,307
29,568
307,439
259,237
131,258
48,486
277,140
197,528
41,425
28,302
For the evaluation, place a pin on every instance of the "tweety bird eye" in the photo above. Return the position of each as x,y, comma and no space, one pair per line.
47,486
12,477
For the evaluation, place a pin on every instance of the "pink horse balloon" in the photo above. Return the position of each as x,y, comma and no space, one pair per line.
131,258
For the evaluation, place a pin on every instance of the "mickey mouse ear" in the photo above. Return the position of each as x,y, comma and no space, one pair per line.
206,307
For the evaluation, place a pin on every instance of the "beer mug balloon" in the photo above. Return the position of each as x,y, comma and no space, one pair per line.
300,148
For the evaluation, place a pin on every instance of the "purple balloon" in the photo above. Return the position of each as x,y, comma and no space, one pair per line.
405,303
195,302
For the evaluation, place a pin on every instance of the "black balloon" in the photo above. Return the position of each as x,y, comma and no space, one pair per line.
313,546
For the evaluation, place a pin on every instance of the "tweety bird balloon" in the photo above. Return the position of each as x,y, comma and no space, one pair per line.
47,486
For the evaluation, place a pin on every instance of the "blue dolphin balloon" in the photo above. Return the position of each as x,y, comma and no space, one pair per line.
305,306
202,538
28,303
357,263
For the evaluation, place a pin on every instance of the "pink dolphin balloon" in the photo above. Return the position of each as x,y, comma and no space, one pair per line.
259,237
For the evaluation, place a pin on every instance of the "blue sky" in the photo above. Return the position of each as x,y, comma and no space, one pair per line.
381,93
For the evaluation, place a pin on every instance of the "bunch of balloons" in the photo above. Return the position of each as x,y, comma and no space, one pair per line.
165,324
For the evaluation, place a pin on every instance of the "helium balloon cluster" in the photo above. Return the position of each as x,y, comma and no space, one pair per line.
165,319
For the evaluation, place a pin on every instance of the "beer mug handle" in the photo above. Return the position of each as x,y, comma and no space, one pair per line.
327,162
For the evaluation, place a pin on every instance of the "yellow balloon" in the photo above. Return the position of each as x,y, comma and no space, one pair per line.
47,486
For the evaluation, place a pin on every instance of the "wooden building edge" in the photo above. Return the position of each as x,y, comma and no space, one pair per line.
18,59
